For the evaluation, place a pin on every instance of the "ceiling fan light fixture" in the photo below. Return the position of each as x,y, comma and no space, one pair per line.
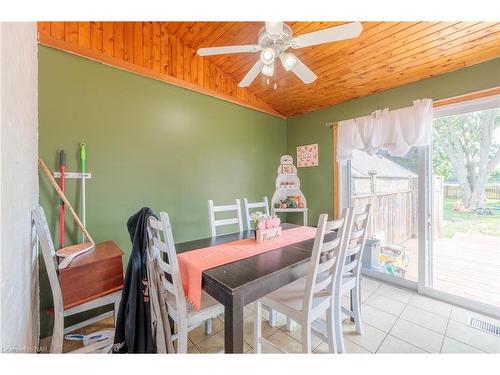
274,39
267,56
288,60
268,70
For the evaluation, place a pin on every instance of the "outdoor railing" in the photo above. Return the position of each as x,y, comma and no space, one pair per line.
394,212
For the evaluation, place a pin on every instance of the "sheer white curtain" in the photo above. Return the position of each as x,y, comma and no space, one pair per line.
395,131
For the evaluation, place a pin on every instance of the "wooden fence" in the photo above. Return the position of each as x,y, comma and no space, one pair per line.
453,190
394,213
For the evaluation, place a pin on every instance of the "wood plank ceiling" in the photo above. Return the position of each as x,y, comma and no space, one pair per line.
384,56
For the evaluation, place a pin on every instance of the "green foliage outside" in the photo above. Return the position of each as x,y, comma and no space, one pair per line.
469,221
463,136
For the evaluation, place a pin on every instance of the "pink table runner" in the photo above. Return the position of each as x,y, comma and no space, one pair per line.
193,263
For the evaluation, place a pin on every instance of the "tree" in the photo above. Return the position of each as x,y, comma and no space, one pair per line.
469,144
441,165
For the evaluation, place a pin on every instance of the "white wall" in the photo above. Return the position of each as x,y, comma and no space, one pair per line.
19,186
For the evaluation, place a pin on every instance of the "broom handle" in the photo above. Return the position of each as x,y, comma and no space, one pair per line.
83,158
65,200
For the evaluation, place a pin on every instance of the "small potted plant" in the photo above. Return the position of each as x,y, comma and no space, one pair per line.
257,217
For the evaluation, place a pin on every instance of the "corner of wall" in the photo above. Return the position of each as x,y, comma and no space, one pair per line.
19,322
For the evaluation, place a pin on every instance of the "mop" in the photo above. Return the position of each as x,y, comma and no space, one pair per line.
99,342
69,252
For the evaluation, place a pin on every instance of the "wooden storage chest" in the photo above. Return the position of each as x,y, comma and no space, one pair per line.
91,275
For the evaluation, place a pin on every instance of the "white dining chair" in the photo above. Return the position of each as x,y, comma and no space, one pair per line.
307,299
347,275
214,223
247,206
60,311
179,309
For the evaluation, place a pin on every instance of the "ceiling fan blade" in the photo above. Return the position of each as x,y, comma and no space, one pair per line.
274,27
252,74
332,34
303,72
209,51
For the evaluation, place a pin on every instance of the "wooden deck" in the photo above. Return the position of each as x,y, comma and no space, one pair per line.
467,265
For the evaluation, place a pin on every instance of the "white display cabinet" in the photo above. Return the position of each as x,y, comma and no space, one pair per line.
288,191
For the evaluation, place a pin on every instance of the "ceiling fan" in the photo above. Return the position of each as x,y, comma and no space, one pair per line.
274,39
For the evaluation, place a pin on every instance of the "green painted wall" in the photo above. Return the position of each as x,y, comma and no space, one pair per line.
317,182
149,144
152,144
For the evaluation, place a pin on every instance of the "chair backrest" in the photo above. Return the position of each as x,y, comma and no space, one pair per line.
326,249
214,223
247,206
161,243
351,254
49,255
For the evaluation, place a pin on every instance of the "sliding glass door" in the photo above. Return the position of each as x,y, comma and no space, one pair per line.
463,257
435,223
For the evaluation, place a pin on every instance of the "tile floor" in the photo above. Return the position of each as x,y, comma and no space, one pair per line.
395,321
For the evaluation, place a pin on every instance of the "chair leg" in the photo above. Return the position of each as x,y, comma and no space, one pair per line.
306,336
330,331
337,322
116,307
182,338
56,345
273,318
257,327
290,324
356,299
208,326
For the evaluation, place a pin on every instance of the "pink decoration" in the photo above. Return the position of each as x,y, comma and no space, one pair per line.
277,221
261,224
307,156
269,223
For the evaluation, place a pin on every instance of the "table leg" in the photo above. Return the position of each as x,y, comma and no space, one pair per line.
233,325
306,221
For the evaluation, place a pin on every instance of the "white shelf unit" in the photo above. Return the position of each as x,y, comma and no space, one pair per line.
305,212
281,192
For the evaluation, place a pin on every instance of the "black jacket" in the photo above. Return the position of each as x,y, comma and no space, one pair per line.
133,326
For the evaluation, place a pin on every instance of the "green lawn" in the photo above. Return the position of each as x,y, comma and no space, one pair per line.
468,221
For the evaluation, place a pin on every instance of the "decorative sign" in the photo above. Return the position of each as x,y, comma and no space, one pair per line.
269,234
286,169
307,156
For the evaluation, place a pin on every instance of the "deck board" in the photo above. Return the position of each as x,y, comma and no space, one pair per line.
467,265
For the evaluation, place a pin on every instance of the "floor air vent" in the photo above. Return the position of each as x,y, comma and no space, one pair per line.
484,326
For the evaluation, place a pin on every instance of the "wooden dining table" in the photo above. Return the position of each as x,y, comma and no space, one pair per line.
240,283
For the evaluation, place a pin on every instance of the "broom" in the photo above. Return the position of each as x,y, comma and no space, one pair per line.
68,252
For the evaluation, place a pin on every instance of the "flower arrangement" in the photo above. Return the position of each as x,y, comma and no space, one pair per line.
266,227
263,221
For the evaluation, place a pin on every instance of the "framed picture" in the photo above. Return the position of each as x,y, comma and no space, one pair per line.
307,156
286,169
